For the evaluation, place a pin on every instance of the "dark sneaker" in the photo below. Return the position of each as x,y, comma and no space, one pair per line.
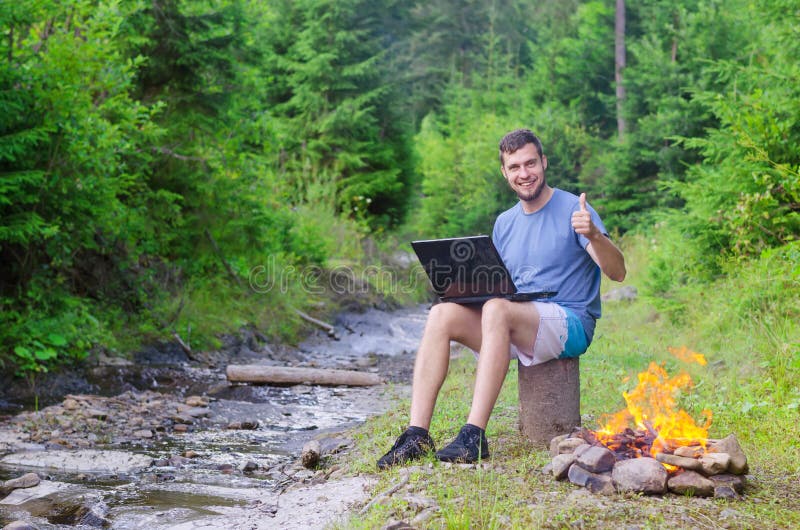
413,443
469,446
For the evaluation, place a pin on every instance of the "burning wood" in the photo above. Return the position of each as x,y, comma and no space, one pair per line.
666,451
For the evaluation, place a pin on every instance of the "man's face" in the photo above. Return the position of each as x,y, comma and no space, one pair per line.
524,171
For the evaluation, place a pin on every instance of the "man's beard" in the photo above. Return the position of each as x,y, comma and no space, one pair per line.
532,194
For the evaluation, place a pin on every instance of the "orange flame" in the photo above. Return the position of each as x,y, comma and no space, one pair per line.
686,355
652,408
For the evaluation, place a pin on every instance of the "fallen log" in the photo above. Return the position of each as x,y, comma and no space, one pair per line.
289,375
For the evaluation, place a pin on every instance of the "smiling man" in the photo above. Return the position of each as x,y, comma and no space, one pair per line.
551,240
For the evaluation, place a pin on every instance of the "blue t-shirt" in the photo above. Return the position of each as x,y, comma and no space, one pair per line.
544,253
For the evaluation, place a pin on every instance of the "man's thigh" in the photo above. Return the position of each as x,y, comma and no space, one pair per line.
523,322
462,322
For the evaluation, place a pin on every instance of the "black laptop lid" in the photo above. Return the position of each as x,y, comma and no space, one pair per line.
464,267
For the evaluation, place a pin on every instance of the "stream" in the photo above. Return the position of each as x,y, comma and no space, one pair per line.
164,442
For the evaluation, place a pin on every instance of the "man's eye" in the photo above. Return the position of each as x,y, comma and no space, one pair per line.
531,164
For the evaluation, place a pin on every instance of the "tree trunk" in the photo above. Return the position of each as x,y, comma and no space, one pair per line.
619,64
286,375
549,399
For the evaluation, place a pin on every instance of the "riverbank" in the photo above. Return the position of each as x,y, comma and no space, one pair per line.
215,454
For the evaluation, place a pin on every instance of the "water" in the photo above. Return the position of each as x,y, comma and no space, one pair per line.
212,490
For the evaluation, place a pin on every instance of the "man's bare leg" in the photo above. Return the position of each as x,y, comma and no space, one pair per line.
446,322
502,322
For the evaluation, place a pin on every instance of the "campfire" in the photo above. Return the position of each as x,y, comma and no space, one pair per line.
652,446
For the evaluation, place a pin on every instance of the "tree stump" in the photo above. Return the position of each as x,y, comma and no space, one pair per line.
549,399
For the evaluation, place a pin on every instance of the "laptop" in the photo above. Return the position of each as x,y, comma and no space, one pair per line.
468,270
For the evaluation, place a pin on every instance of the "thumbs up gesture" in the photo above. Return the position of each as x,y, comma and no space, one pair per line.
582,220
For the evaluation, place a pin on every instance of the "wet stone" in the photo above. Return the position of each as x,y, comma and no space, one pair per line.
28,480
80,515
183,418
691,483
19,525
198,412
97,414
143,433
640,475
180,427
196,401
177,461
311,454
597,459
249,467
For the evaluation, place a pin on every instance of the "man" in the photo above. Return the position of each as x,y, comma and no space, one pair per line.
550,240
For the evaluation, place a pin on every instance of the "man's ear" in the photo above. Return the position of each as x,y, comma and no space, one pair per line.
544,161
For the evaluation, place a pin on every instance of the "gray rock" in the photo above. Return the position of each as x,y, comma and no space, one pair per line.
680,461
143,433
725,492
19,525
198,412
714,463
580,476
561,464
28,480
689,451
730,445
568,445
44,489
691,483
601,484
554,443
81,461
640,475
736,482
597,459
581,449
310,454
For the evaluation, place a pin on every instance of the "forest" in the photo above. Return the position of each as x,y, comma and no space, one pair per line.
154,154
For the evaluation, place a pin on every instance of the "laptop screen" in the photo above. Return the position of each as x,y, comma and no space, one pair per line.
464,267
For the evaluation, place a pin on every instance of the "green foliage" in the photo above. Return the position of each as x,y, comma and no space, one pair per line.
343,141
151,152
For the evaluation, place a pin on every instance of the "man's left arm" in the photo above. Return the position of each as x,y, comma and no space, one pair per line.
602,250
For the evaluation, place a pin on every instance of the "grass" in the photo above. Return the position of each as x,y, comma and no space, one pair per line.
747,327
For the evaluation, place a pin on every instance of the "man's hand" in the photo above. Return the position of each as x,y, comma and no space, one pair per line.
582,220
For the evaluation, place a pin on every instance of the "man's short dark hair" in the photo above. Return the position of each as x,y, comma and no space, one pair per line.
518,139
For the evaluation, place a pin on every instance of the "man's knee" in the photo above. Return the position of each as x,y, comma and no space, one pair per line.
496,312
444,314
